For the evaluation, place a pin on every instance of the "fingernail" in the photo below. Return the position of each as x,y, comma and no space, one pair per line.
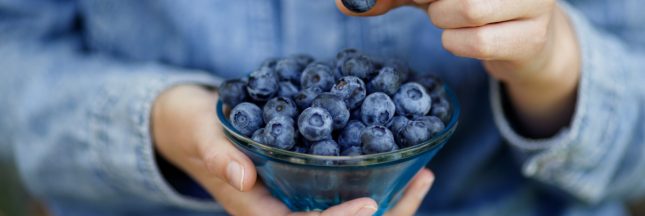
235,175
367,210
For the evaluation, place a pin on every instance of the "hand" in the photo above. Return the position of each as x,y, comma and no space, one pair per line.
529,45
187,134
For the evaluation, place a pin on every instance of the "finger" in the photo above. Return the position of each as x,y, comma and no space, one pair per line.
380,7
256,201
513,41
358,207
414,194
450,14
220,158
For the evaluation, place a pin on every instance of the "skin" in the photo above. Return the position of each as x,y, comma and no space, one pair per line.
187,133
528,45
515,39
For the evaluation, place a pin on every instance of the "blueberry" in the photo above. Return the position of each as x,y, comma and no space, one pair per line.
377,109
387,81
441,108
315,124
352,151
259,136
287,89
359,6
305,96
346,53
289,69
433,124
299,149
269,63
263,84
360,66
397,123
350,135
246,118
415,132
279,133
279,106
434,86
400,66
302,59
412,100
232,92
335,106
377,139
325,147
351,89
317,75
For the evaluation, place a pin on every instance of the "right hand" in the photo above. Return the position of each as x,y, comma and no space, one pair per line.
187,133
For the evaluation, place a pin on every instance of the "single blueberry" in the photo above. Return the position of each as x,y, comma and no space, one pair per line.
279,106
269,63
359,6
289,69
303,59
287,89
280,133
263,84
350,135
325,147
299,149
232,92
434,86
397,123
441,108
305,96
335,106
246,118
377,109
317,75
315,124
387,81
259,136
415,132
352,151
400,66
433,123
351,89
360,66
346,53
377,139
412,100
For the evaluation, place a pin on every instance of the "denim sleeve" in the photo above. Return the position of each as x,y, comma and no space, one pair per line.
79,123
600,155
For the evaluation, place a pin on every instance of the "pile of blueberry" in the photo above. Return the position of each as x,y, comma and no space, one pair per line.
352,105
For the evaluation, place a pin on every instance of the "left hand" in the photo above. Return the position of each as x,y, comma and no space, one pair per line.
529,45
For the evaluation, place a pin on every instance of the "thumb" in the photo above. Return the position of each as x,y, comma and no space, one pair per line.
378,7
222,160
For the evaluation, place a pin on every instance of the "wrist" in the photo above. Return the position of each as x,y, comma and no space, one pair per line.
545,102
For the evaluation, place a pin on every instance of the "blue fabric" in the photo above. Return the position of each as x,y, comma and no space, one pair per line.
78,77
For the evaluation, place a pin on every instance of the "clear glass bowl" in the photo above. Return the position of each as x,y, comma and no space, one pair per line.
307,182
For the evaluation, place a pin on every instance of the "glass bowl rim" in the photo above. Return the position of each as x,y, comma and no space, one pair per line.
423,147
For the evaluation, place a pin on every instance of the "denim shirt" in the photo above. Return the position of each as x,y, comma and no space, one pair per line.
78,79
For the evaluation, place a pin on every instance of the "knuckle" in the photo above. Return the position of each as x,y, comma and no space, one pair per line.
481,46
473,11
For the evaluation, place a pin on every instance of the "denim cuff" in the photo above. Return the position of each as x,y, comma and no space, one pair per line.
582,158
130,163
